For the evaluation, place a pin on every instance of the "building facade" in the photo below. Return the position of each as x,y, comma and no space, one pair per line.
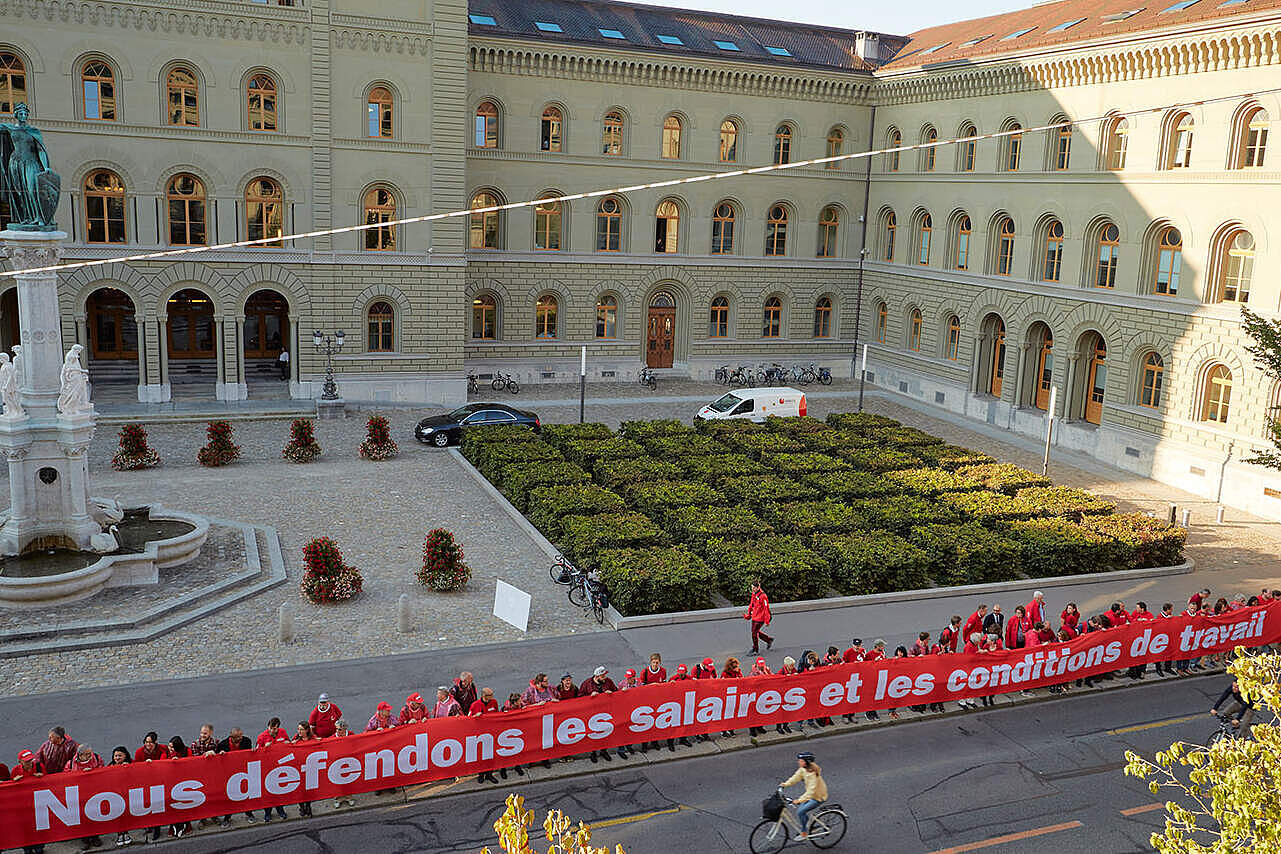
1104,263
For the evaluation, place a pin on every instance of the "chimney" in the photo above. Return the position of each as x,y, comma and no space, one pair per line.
867,46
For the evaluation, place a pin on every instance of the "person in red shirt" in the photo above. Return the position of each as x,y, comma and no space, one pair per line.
1036,608
484,704
151,749
681,674
85,759
877,652
1141,614
600,683
28,766
273,734
705,670
629,680
1016,628
759,616
972,645
974,623
323,717
1117,614
414,711
856,652
951,634
655,672
1070,619
922,645
566,689
1196,600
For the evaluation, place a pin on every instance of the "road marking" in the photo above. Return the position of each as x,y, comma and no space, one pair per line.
1143,809
1154,725
628,819
1009,837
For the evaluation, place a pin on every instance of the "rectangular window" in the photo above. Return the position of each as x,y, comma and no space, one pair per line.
1017,34
610,34
1066,25
548,27
1168,266
670,40
1063,149
1105,275
778,51
482,20
725,45
1180,6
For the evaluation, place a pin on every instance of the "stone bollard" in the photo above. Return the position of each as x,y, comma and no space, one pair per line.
1218,515
402,613
1174,513
285,619
1187,517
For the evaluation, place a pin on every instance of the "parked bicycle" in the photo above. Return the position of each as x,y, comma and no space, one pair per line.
722,374
648,378
742,375
827,826
564,572
504,381
473,387
589,594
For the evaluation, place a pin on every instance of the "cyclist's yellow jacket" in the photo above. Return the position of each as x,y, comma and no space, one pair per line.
815,788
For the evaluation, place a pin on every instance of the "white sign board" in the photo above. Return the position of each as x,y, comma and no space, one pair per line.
511,605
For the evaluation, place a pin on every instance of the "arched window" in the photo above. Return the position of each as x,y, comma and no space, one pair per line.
380,207
545,317
1044,369
924,233
1153,374
1180,151
776,231
13,82
914,330
380,114
182,94
889,228
104,207
892,158
1117,144
1012,147
185,206
882,321
484,318
551,129
609,225
612,133
1237,267
382,328
965,156
486,125
718,318
996,373
1169,261
607,317
835,144
261,103
823,317
729,141
952,349
547,225
782,144
1096,381
667,227
1218,394
1005,247
671,149
773,318
723,229
264,211
485,231
1062,146
98,82
1108,254
1052,253
929,154
1254,136
829,224
962,255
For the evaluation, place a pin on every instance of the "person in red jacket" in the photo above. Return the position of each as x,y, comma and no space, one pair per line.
323,717
151,749
273,734
86,760
759,616
414,711
566,689
1016,628
974,623
655,672
1141,614
1036,608
855,653
877,652
28,766
484,704
973,643
1117,615
706,669
951,634
922,645
1070,619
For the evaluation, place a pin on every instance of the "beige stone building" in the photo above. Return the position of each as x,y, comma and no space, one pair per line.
1104,262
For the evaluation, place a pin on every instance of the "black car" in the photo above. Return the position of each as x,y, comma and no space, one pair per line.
447,429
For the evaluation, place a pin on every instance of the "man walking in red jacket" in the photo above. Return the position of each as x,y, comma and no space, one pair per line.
758,614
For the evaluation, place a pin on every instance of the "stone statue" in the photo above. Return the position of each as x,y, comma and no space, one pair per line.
18,365
31,187
73,399
9,388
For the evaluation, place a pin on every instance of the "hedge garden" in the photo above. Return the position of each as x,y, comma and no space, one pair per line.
670,515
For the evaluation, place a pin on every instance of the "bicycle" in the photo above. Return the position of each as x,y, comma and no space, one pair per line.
742,375
504,381
473,387
827,827
722,375
1226,731
589,594
648,378
824,374
564,572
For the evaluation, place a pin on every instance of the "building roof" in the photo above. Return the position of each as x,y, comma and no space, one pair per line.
658,29
1056,23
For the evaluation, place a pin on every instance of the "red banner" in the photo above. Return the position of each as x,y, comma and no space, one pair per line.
69,805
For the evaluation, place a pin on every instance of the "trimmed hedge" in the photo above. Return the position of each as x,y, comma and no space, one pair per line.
549,504
851,484
1140,541
951,457
968,553
1004,477
557,435
722,466
638,431
804,463
656,580
833,440
587,451
505,433
1066,501
1060,546
901,513
812,517
695,525
796,425
490,459
518,479
686,445
787,569
584,537
619,473
932,481
860,422
758,444
654,497
872,562
880,459
985,506
755,490
728,427
907,437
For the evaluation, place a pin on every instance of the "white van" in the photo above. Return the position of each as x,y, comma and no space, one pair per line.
756,404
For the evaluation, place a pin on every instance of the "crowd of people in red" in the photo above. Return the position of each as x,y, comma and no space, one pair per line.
984,631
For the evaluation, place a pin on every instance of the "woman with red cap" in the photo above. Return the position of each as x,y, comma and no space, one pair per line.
706,669
759,668
731,670
28,766
681,674
414,711
381,719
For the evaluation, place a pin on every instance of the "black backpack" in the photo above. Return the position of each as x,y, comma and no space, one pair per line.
772,807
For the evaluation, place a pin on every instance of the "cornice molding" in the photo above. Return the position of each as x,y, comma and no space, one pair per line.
202,19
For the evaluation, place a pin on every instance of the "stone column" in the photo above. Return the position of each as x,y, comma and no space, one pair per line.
220,344
39,317
240,382
162,344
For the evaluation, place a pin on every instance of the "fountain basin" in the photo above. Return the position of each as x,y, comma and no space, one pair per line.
121,568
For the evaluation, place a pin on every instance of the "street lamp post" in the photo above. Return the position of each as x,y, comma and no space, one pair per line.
329,344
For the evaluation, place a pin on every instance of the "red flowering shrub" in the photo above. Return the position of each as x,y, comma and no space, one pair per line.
219,450
302,447
325,577
378,444
443,566
134,451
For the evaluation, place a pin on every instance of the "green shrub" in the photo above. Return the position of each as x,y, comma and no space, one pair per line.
549,504
638,431
685,445
833,440
796,425
804,463
518,479
557,435
714,469
908,437
1140,541
951,457
987,507
758,444
587,451
785,567
1004,477
901,513
1066,501
860,422
730,427
851,484
474,437
655,496
695,525
584,537
932,481
967,553
755,490
879,459
1060,546
811,517
618,473
656,580
872,562
490,459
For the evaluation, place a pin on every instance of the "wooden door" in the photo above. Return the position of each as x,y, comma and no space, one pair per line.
660,339
1097,383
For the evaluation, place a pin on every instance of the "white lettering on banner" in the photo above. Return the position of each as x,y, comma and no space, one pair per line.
246,784
187,795
413,757
346,769
311,768
794,699
137,806
281,781
67,810
832,694
380,763
510,742
104,806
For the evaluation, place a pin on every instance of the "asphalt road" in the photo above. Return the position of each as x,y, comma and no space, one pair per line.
924,787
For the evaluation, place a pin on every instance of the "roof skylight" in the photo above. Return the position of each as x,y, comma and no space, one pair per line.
548,28
778,51
1067,25
610,34
1121,16
670,40
1231,3
483,20
1017,34
936,48
1180,6
725,45
972,42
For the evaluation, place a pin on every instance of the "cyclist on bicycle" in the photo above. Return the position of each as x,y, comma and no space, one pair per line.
1240,712
807,772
